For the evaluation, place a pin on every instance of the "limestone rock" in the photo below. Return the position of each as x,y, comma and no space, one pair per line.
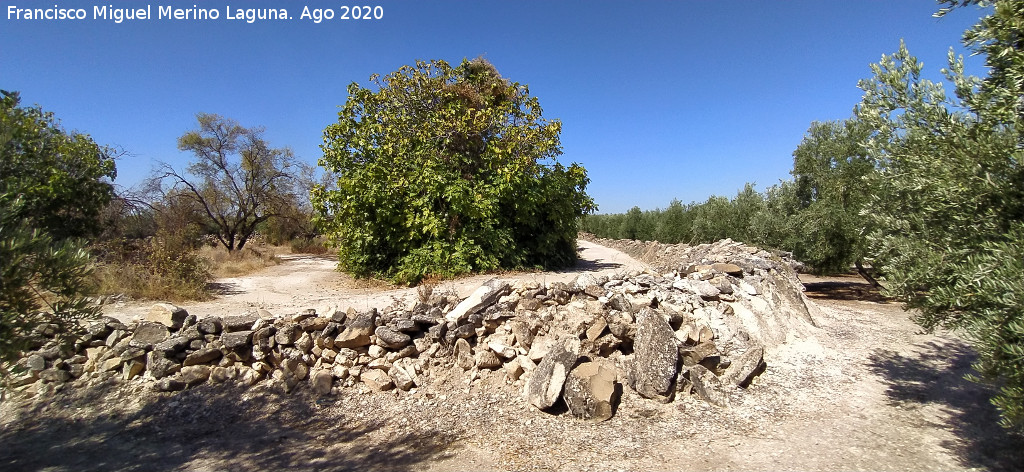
731,269
546,382
522,332
194,375
391,339
35,363
655,357
621,325
236,339
540,347
305,343
596,328
168,315
55,375
484,296
464,354
529,304
169,385
239,322
620,303
708,386
287,334
403,375
133,369
202,356
263,338
149,333
377,380
745,368
357,331
705,289
315,323
222,374
159,366
210,325
591,392
321,382
172,345
693,355
487,359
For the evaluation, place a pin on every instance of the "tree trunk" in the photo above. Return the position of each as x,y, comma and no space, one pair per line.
867,275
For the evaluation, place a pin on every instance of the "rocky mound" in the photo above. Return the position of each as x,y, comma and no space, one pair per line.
701,328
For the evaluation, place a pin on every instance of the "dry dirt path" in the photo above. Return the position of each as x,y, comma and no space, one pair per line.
868,392
307,281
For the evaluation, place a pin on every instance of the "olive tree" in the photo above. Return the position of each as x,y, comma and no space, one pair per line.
948,204
830,167
444,170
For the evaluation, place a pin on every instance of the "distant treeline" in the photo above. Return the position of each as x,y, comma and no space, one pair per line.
750,216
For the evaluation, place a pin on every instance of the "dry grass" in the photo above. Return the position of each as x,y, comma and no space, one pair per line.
149,270
250,259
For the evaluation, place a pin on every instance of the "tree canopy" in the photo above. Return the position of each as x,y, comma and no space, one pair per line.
62,180
237,181
947,209
444,170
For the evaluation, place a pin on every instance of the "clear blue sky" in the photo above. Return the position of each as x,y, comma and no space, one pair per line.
658,99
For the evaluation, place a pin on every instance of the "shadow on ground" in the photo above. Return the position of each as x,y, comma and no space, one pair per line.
224,288
934,375
211,428
591,266
844,289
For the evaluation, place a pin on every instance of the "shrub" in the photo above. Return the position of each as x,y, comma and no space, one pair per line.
41,282
443,171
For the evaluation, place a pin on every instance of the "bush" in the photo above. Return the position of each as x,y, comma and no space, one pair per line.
443,171
151,269
41,281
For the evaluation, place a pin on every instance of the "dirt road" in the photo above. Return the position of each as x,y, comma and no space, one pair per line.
868,393
307,281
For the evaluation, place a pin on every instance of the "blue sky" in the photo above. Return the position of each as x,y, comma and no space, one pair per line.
658,99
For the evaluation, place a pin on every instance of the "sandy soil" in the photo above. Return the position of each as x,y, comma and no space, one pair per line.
869,392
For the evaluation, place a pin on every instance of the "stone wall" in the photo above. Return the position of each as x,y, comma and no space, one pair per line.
701,328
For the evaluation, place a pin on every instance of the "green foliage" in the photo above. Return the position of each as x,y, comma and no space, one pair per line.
673,224
988,293
830,167
41,281
442,171
717,218
61,179
949,195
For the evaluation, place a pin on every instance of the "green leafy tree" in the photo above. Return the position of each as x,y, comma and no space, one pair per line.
830,167
62,180
674,225
632,225
712,220
948,207
237,181
773,226
53,187
41,282
445,170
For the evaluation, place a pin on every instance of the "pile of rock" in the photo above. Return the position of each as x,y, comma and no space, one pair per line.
702,328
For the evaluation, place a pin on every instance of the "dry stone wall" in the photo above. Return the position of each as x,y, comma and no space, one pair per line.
700,328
